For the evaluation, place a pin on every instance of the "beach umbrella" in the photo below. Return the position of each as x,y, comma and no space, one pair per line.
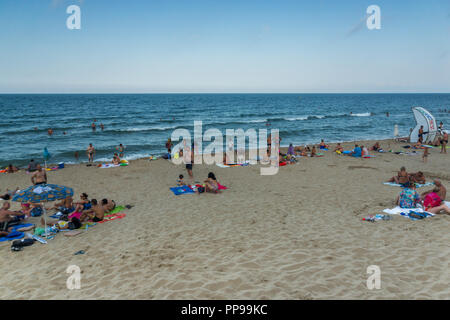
46,156
43,193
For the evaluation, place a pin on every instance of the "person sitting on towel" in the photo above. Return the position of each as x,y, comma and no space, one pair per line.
365,152
211,184
116,159
339,148
84,204
357,152
8,218
108,205
313,152
65,206
439,189
72,224
322,145
96,213
376,147
180,181
401,178
417,177
408,197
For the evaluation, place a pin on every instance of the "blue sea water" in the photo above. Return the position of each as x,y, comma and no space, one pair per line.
143,122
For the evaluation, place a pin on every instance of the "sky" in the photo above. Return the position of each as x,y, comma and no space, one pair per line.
212,46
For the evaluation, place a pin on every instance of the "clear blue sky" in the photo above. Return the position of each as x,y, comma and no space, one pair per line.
224,46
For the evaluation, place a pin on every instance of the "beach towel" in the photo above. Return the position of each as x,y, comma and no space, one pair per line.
368,156
20,226
221,165
221,187
408,213
116,210
346,152
108,165
12,236
113,216
75,215
181,190
418,185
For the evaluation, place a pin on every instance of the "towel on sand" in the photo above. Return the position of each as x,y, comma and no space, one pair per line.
418,185
405,212
182,190
109,165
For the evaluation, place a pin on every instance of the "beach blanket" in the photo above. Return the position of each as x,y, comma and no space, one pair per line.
406,212
116,210
113,216
418,185
182,190
108,165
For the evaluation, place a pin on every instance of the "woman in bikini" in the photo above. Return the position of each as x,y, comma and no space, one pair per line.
90,151
211,184
401,178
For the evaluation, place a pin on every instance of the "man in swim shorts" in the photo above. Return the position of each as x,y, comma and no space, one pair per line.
90,152
96,213
39,176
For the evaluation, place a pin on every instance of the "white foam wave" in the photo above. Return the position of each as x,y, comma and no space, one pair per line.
365,114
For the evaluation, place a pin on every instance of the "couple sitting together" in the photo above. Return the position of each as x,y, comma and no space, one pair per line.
432,201
403,177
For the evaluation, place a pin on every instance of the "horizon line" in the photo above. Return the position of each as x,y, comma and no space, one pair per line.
149,93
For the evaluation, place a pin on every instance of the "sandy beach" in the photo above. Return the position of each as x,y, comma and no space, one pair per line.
296,235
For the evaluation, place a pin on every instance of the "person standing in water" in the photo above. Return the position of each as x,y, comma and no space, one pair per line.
121,150
93,126
90,152
102,126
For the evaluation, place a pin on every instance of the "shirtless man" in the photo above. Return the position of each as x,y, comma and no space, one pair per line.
93,126
6,217
65,206
39,176
96,213
417,177
439,189
108,205
90,152
401,178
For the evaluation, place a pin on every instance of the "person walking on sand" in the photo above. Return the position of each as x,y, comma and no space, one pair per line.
425,155
444,141
90,152
39,176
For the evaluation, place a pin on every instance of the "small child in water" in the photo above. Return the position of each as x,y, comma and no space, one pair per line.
180,181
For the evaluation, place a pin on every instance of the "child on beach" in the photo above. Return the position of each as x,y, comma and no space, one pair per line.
180,181
425,155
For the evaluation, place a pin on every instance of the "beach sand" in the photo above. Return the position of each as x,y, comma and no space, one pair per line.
296,235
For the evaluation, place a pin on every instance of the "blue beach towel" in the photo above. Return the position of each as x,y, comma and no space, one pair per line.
12,236
418,185
181,190
20,226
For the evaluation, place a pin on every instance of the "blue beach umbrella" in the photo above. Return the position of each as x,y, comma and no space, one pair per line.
43,193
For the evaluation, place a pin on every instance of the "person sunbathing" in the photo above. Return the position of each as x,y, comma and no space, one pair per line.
408,197
364,152
180,181
439,189
65,206
211,184
401,178
72,224
116,159
8,218
376,147
108,205
339,148
313,151
322,145
11,169
417,177
83,204
96,213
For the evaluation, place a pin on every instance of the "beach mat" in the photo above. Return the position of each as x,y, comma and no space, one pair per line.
418,185
113,216
182,190
14,235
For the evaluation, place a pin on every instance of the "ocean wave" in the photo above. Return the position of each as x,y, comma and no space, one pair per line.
365,114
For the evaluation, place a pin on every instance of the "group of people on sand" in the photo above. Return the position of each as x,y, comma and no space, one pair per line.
210,184
432,201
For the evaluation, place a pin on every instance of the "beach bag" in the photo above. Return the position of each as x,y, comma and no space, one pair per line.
36,212
432,200
201,189
17,245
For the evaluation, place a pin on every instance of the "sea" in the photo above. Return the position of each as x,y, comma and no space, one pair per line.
144,122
